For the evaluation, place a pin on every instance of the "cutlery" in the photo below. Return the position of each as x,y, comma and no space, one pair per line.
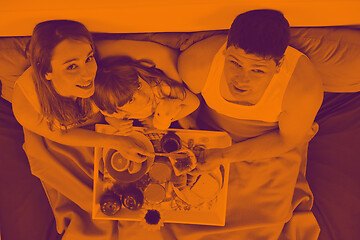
175,155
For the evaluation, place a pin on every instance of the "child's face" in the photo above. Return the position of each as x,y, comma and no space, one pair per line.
141,104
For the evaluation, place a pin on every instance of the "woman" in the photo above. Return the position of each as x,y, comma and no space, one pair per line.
52,97
51,100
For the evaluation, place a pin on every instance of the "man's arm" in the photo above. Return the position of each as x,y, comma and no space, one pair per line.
194,63
302,100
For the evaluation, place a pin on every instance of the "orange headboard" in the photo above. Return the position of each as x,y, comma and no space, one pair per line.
18,17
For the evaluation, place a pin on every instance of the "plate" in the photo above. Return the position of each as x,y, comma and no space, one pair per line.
124,176
189,194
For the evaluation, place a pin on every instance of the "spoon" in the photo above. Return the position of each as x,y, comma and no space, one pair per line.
175,155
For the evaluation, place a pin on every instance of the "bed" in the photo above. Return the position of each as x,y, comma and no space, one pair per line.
333,154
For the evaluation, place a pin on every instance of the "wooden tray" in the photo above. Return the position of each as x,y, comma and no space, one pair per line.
180,205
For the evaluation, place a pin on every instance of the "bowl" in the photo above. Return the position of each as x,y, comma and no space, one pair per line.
124,176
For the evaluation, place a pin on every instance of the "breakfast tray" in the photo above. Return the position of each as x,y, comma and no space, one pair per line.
176,206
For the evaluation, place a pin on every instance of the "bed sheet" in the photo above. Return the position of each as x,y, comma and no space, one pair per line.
332,159
331,172
261,199
25,212
333,167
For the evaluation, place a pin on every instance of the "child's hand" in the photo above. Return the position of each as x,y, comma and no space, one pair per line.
165,113
188,122
147,122
124,127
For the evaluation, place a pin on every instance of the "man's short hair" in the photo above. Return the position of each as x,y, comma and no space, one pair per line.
263,32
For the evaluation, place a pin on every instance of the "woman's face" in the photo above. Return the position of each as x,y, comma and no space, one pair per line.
73,69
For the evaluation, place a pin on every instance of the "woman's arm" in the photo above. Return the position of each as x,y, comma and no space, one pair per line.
30,119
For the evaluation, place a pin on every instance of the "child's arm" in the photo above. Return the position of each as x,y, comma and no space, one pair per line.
170,110
187,106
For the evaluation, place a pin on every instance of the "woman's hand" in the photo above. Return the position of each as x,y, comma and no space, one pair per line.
124,127
130,150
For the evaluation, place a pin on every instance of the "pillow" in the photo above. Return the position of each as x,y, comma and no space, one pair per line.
333,50
335,53
13,63
176,40
165,58
182,40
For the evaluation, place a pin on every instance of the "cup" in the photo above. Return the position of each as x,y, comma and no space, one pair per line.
160,171
154,193
170,142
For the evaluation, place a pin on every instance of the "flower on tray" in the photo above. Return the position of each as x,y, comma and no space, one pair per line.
153,219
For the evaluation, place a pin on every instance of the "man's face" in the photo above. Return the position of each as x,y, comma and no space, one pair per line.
247,75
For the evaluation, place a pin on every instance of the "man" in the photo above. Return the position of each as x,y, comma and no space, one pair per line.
252,58
265,94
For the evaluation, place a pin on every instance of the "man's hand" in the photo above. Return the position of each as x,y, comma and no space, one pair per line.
208,160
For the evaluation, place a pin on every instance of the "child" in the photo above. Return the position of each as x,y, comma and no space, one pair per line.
135,89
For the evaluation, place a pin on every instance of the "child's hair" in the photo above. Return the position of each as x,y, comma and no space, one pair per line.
117,80
46,36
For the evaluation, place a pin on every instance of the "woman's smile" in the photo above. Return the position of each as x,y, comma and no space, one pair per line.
86,86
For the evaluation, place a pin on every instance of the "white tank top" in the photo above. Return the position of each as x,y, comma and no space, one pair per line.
268,107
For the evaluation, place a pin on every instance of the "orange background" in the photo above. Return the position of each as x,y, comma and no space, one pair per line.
18,18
